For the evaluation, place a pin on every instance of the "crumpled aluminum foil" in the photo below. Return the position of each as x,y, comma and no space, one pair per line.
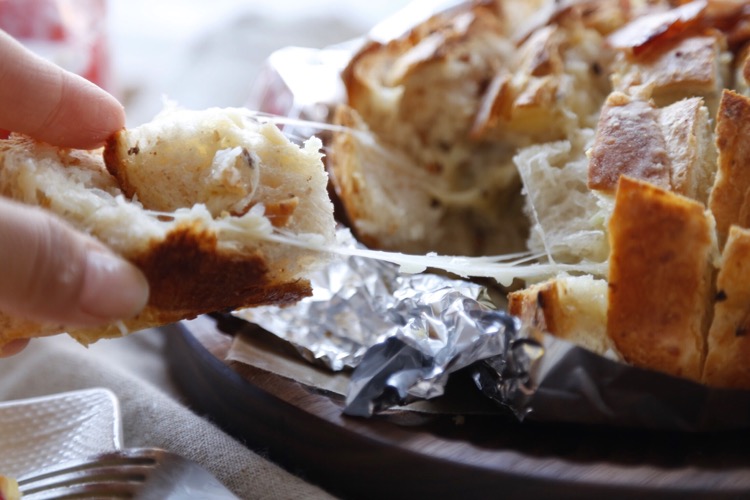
404,334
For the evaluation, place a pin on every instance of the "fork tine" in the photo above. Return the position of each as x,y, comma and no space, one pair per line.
128,469
120,474
142,473
92,490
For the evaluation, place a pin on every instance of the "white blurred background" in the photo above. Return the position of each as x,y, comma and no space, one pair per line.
204,53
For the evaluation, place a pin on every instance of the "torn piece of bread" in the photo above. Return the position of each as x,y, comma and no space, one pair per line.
572,308
568,220
196,259
729,336
660,278
730,197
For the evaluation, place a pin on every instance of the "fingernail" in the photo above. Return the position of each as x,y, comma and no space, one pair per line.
113,288
13,347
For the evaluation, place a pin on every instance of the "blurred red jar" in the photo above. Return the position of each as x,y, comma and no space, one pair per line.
71,33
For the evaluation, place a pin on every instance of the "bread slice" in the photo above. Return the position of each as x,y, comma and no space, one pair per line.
730,197
729,337
628,143
572,308
196,199
686,129
660,278
690,66
669,147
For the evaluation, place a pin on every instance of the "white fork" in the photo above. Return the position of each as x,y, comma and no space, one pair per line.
141,473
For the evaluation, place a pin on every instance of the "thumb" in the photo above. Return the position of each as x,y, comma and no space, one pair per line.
53,274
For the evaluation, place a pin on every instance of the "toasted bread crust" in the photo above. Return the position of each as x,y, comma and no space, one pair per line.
628,143
730,198
114,163
378,190
729,337
535,306
685,128
660,279
189,273
570,308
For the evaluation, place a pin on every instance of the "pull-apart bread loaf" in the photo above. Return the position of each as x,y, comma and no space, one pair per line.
669,152
193,199
583,132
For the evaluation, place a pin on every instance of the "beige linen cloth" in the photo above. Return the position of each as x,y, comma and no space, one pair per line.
153,412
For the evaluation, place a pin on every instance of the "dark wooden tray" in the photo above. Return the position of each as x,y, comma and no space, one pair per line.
403,455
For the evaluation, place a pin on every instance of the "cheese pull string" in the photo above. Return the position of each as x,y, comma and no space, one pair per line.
502,268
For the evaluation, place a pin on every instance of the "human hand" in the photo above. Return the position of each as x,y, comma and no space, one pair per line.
50,272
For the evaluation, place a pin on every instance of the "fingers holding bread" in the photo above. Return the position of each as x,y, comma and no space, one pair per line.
194,201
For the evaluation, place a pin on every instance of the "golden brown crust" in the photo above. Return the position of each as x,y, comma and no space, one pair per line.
677,69
660,284
115,165
188,275
627,143
536,306
348,181
729,337
669,147
678,124
653,30
729,201
570,308
187,271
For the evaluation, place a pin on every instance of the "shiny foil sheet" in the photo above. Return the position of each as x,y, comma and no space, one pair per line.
403,334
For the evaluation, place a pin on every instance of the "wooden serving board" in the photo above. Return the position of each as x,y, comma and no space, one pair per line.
420,455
